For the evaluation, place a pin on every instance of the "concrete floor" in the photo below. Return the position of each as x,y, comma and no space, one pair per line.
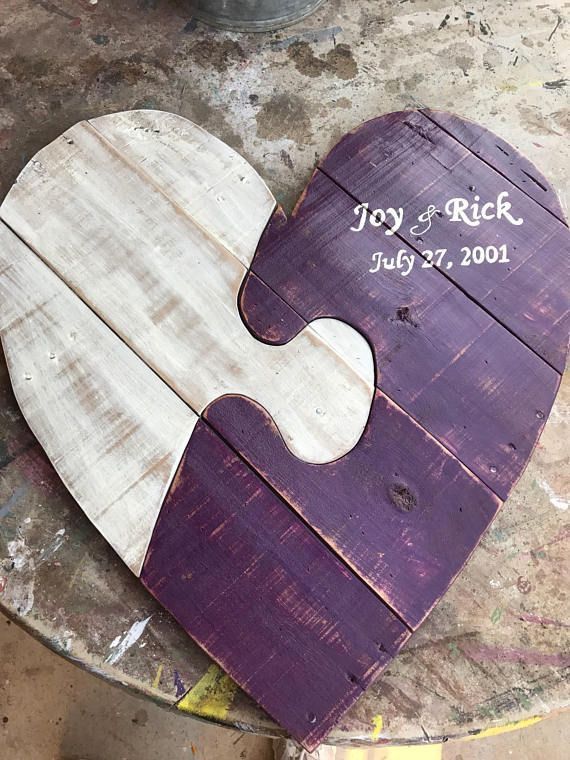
52,710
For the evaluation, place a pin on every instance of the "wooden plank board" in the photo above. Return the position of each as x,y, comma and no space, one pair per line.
264,597
443,359
202,175
113,430
398,509
406,160
169,290
501,156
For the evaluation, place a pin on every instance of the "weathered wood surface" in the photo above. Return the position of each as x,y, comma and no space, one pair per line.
501,156
113,430
481,392
169,289
399,509
406,160
202,175
264,597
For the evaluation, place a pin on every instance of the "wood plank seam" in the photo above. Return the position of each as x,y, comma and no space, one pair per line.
31,248
447,277
426,112
146,177
150,477
307,524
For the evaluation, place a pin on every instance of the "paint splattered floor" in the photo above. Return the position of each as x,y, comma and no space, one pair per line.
51,710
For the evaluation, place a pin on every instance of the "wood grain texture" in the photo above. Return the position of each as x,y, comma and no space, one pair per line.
169,289
204,177
443,359
406,160
113,430
501,156
263,596
398,509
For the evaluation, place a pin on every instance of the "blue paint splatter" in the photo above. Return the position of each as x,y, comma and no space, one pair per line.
6,508
179,683
100,39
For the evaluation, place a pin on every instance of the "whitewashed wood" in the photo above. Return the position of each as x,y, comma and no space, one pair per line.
201,174
113,430
169,288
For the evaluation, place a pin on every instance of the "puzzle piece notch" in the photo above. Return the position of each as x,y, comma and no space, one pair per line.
448,363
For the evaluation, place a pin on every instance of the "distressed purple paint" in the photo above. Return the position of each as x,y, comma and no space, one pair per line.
398,508
246,578
406,160
441,357
300,580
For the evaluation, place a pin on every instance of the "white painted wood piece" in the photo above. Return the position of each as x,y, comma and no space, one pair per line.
202,175
133,226
114,431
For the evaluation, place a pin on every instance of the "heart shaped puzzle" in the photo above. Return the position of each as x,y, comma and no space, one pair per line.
294,431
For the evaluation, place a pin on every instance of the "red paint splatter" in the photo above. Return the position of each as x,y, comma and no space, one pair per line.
3,582
483,653
38,470
524,585
528,617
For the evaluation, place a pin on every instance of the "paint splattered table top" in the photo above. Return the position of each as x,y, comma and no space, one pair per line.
494,651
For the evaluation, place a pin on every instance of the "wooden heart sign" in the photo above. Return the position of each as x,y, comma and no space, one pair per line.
295,432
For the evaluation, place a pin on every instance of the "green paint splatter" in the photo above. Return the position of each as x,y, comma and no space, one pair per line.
496,615
498,535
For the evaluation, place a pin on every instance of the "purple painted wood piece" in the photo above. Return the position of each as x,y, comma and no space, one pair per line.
483,394
399,509
406,160
263,596
303,580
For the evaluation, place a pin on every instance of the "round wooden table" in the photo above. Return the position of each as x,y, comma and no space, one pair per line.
494,651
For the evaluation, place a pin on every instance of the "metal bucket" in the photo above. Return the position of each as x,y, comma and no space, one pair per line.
252,15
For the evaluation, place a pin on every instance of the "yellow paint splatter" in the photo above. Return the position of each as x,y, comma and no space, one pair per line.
158,676
495,730
507,87
211,697
419,752
378,724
